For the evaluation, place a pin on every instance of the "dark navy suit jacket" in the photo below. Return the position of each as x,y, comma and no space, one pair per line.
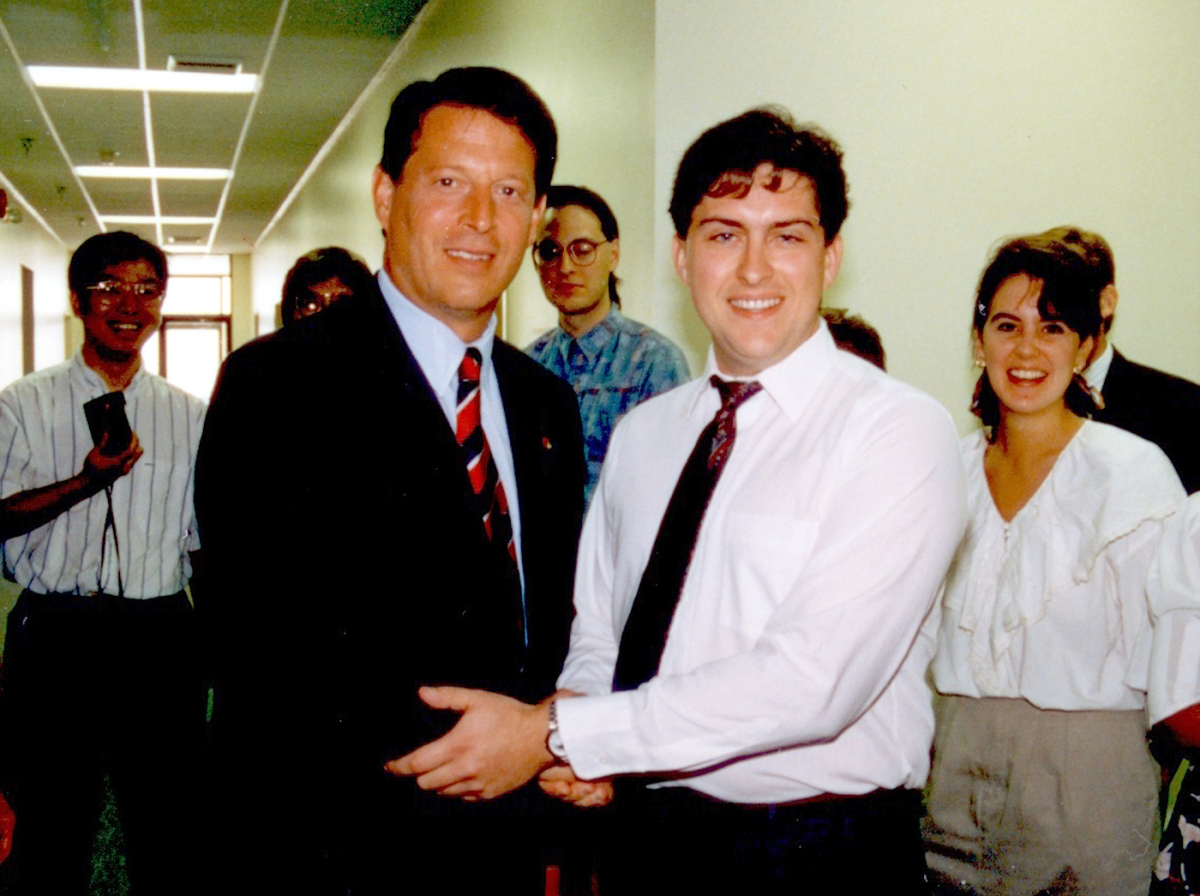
346,566
1157,406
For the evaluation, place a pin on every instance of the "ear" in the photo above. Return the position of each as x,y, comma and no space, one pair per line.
616,252
679,254
1084,353
75,307
833,260
535,221
383,188
977,346
1108,302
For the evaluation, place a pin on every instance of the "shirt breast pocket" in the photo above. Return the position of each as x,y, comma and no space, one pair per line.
767,555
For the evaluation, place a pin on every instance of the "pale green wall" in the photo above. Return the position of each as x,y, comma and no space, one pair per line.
592,63
963,123
28,244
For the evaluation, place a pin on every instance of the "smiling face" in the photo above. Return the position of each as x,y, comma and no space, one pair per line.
579,292
1029,361
757,267
460,216
117,321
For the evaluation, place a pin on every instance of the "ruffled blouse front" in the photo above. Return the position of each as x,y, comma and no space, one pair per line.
1052,606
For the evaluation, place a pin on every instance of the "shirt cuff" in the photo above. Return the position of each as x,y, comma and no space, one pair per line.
600,736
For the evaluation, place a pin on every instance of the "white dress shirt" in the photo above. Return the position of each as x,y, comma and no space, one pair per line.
1053,606
44,438
439,352
1174,591
796,659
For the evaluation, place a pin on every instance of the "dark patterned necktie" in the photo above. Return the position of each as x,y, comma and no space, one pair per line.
481,468
645,633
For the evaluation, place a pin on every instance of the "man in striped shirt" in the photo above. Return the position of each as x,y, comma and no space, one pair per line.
99,672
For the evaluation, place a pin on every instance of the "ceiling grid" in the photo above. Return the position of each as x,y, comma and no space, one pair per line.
165,132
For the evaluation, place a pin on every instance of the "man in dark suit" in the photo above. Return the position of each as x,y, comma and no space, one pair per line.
366,538
1157,406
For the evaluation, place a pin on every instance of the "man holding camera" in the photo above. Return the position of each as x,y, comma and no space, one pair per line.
96,525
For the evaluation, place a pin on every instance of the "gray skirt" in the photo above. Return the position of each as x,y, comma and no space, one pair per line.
1024,800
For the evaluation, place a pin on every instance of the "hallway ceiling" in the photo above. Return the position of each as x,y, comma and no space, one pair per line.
312,59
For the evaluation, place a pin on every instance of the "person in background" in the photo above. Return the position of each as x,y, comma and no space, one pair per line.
1051,654
612,362
855,335
100,675
1149,403
321,277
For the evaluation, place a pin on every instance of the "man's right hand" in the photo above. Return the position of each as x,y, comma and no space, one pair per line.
101,470
559,781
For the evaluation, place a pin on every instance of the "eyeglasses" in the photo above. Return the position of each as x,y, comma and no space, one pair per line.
582,251
107,293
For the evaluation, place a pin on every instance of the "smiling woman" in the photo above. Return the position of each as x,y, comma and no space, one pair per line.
1046,640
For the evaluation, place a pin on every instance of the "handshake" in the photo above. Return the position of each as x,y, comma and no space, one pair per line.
498,745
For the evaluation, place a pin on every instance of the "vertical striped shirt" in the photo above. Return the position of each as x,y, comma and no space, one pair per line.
44,439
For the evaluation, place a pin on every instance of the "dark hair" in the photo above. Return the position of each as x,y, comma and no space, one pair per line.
318,266
104,250
562,195
1095,250
855,335
493,90
1069,294
723,160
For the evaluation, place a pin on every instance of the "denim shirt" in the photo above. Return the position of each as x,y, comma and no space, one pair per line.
615,365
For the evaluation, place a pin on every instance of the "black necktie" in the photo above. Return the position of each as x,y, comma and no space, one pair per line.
645,632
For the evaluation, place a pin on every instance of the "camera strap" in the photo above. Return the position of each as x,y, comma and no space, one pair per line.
110,524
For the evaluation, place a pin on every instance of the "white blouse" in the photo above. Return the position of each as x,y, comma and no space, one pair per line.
1053,606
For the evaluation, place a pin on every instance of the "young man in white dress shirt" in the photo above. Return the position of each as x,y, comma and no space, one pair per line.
785,735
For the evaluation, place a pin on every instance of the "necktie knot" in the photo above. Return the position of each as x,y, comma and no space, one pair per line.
734,392
472,362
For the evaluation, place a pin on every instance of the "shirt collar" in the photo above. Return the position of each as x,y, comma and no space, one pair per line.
1097,371
437,349
592,342
793,382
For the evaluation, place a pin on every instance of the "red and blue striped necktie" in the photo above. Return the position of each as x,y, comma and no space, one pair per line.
481,468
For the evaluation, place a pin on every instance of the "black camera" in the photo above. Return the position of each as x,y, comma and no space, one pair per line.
106,414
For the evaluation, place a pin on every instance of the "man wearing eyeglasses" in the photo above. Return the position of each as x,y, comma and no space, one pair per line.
612,362
96,525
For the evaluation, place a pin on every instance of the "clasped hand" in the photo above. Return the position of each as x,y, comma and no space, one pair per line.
498,745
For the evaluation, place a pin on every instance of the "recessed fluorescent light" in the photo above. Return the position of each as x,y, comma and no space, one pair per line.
151,219
83,78
144,173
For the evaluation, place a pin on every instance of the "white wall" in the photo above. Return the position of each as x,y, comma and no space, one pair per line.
963,123
593,65
28,244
